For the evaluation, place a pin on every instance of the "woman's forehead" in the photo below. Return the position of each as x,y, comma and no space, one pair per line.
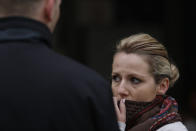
130,63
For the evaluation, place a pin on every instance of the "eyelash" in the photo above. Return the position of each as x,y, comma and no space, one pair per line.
114,78
135,80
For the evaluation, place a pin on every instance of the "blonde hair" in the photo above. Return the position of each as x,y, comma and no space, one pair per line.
156,54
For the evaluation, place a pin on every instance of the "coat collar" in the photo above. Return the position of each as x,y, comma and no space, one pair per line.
22,29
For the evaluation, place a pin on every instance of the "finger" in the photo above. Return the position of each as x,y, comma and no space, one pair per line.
115,102
116,105
122,111
122,107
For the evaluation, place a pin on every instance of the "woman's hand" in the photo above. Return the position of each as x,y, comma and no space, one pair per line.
121,110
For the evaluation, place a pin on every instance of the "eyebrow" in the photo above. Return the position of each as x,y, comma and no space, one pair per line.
137,75
131,74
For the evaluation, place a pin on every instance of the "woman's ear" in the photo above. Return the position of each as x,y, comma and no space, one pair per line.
49,7
163,86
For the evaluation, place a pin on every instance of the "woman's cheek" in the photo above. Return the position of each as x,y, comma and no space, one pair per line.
114,91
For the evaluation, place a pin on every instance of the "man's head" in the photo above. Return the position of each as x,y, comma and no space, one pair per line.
45,11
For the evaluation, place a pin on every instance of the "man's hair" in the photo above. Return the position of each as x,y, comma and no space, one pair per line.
18,7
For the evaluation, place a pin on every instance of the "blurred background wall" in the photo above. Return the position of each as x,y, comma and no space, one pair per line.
88,31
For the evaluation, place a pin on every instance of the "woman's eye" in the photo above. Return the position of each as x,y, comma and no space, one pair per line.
135,80
115,78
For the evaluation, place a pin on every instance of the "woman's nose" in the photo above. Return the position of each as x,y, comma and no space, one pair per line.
122,91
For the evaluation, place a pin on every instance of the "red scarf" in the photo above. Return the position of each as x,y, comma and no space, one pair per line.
142,116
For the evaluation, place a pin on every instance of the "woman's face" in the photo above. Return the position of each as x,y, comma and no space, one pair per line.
131,78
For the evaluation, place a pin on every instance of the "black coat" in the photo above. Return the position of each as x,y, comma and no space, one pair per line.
42,90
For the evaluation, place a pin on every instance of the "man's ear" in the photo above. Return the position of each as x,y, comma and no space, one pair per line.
163,86
49,6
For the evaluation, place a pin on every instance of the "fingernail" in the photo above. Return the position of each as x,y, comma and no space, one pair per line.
123,100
